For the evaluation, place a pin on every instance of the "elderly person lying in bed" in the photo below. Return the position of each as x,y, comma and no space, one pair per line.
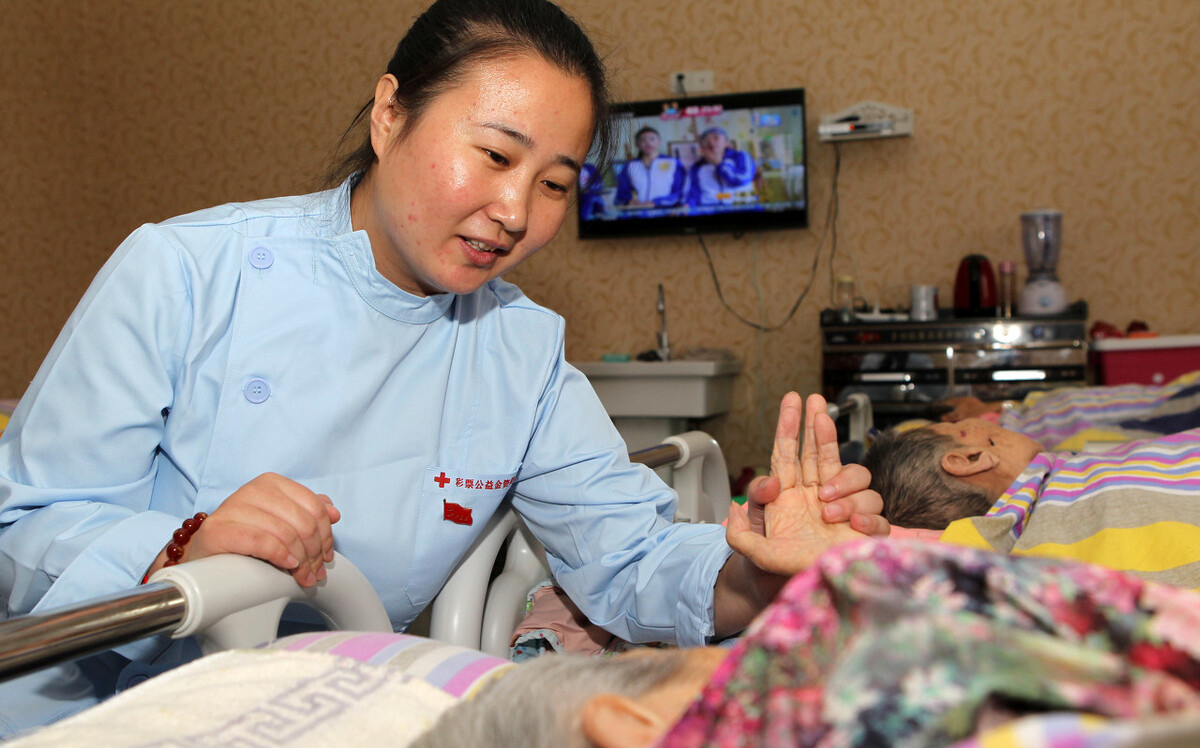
879,643
930,476
874,644
882,643
1135,508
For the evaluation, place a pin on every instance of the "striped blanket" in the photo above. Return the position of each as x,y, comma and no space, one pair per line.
1136,509
1066,420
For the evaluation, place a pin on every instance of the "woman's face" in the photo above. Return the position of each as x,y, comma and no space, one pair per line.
481,182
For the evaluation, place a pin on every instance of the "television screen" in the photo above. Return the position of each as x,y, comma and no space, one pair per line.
723,162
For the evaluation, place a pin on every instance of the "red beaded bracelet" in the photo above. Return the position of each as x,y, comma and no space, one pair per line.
179,539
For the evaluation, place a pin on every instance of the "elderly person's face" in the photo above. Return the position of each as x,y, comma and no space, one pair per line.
986,454
712,147
613,721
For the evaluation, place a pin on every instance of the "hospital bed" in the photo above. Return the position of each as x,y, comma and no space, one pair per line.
192,599
474,609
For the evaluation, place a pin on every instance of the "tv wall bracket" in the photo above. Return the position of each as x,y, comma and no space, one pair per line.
866,120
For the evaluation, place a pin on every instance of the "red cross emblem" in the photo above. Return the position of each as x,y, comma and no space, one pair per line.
441,480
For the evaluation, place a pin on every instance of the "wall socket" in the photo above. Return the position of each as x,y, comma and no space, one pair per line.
694,81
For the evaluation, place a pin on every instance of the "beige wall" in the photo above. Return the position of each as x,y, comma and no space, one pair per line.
119,112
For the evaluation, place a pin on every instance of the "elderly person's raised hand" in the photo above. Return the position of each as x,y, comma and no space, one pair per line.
816,494
808,504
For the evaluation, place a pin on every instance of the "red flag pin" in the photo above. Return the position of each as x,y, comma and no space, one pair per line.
456,513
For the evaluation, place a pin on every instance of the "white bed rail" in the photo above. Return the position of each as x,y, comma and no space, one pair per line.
857,408
197,599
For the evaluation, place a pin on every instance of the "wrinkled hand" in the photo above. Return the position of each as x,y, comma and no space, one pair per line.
275,519
786,522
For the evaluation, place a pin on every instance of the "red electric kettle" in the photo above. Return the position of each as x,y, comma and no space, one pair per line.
975,288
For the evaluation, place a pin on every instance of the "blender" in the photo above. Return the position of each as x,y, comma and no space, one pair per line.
1041,234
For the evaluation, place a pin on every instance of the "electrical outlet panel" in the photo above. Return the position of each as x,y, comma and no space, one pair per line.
866,120
687,82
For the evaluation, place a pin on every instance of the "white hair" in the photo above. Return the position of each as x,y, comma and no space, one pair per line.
538,703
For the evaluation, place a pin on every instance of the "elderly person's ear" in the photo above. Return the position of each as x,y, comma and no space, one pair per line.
610,720
963,462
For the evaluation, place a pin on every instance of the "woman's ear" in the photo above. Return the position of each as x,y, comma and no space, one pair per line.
385,115
963,462
610,720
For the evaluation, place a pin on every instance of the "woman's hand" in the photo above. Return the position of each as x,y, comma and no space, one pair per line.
272,518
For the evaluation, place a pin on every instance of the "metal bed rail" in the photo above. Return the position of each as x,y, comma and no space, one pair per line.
35,641
658,455
857,409
195,598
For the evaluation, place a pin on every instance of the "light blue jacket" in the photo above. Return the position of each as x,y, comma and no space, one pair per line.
259,337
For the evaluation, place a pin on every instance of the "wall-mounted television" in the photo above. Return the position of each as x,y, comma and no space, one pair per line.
703,164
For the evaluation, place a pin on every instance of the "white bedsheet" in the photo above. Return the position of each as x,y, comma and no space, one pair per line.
253,698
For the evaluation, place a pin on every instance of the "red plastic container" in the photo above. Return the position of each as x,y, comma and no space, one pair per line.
1155,360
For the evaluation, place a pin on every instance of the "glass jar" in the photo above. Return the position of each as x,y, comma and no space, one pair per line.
843,297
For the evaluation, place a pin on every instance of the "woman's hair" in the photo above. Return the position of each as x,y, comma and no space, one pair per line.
538,703
906,470
436,52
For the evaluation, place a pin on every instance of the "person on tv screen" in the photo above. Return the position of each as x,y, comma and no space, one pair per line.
723,175
591,192
651,179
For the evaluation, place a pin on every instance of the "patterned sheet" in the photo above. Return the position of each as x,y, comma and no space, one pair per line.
458,671
257,699
322,689
905,643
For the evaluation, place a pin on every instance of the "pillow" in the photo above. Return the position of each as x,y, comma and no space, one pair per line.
375,689
256,697
458,671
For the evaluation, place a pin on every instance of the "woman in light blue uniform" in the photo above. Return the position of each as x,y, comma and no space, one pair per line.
651,179
348,365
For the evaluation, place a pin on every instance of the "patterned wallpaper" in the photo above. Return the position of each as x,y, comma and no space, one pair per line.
126,111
